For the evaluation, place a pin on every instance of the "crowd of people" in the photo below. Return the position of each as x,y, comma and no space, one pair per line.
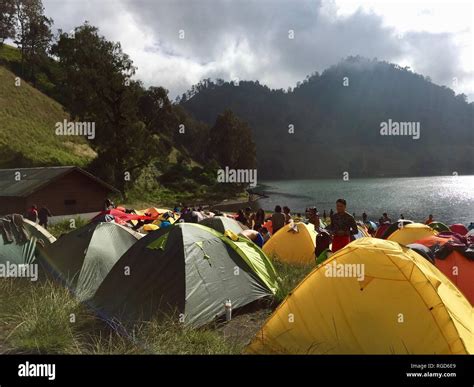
334,230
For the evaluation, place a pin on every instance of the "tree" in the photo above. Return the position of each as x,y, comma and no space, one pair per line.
7,20
231,142
32,34
156,111
96,87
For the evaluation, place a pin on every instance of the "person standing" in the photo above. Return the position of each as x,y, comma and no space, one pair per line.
258,219
43,215
430,219
32,213
249,217
278,219
323,238
342,226
286,212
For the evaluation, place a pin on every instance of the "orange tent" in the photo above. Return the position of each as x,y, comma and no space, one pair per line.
451,259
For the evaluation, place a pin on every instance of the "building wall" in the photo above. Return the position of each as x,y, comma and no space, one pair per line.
12,205
74,193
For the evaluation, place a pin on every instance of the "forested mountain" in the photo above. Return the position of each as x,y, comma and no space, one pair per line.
336,121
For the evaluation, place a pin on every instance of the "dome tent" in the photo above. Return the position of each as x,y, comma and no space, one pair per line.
402,305
20,236
223,223
186,269
294,245
455,259
410,233
395,226
83,258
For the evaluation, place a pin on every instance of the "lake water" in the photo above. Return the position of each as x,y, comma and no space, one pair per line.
449,198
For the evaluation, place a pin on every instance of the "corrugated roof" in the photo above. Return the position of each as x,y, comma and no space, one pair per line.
32,179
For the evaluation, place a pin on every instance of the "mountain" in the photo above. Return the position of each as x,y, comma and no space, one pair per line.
336,119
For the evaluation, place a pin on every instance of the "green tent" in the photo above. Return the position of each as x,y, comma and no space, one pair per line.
439,226
18,253
223,223
22,248
186,271
83,258
40,233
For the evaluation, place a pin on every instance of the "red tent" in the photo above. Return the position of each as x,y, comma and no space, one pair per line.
459,229
455,259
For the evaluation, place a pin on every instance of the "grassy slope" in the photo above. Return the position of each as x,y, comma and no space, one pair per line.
27,122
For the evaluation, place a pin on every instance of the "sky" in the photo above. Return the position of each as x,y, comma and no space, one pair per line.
176,43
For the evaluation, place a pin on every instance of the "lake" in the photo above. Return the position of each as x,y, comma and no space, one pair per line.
449,198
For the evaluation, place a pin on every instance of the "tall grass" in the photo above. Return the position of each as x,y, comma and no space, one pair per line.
64,227
290,276
46,318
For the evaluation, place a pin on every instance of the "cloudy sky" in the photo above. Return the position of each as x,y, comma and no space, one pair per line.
176,43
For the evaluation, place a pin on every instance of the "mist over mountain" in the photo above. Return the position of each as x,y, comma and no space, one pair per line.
330,123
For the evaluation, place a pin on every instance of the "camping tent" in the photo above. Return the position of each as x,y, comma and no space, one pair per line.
394,227
40,233
439,226
459,229
362,232
381,230
223,223
24,234
371,297
454,258
411,233
293,245
83,258
186,271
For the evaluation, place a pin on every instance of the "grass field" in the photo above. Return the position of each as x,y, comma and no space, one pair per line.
45,318
27,128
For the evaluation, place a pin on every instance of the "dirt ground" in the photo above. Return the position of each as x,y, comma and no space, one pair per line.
246,322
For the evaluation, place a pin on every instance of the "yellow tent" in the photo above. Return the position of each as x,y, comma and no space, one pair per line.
410,233
371,297
363,231
293,244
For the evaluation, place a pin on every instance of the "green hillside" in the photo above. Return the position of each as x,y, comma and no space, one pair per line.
27,123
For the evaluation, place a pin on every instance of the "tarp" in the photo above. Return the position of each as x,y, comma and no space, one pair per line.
410,233
120,217
294,245
187,272
401,305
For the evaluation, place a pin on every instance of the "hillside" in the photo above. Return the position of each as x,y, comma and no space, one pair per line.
337,127
27,129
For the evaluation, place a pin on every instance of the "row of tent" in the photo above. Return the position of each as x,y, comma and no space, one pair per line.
295,244
189,270
186,271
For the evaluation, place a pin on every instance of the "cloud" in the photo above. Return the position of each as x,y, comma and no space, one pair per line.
175,43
